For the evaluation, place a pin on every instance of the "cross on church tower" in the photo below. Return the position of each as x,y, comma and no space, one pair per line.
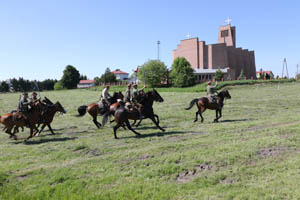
228,21
188,36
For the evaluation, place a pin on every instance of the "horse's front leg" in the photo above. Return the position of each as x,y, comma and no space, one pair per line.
217,116
139,123
31,133
220,114
133,123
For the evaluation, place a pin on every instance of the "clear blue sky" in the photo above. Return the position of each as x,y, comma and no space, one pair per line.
39,38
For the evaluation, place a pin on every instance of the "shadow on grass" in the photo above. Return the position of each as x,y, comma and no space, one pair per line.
235,120
46,140
158,134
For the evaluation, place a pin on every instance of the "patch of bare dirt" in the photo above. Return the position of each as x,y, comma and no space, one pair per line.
93,152
145,157
260,127
21,177
228,181
275,151
190,175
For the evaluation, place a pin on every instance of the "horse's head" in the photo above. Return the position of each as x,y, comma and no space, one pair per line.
60,108
226,94
156,96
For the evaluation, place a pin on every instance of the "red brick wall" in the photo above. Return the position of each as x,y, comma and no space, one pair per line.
188,49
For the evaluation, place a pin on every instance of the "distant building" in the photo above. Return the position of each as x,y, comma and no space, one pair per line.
206,59
85,84
264,74
120,75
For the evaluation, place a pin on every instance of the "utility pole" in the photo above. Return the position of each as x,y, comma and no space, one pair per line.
158,43
284,66
297,71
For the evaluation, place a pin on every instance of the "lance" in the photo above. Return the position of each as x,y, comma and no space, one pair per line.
37,87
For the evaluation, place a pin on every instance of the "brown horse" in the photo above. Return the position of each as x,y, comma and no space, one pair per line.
122,115
49,115
94,110
18,119
154,96
204,103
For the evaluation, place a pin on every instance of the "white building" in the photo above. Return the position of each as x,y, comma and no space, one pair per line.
85,84
120,75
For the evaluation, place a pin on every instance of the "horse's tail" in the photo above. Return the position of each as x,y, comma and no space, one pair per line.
105,117
192,104
81,110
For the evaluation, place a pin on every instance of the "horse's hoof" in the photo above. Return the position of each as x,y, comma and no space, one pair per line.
195,121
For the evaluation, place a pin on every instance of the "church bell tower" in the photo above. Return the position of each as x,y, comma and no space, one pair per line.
227,34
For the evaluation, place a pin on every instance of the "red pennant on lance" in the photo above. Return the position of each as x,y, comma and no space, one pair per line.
137,70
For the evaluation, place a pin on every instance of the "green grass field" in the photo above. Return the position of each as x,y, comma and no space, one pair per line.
253,153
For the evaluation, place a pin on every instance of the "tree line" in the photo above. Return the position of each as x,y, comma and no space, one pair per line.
154,73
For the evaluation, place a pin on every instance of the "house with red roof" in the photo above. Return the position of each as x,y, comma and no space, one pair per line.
85,84
264,74
120,75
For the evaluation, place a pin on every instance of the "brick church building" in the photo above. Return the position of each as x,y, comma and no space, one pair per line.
206,59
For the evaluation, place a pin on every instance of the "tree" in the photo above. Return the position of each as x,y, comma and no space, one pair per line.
4,87
219,75
47,84
70,77
58,86
108,77
153,72
83,77
182,75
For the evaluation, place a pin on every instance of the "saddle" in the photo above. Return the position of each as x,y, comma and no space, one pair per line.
131,107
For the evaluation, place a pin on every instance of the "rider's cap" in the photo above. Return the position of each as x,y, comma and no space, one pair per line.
134,85
129,85
209,82
34,93
25,93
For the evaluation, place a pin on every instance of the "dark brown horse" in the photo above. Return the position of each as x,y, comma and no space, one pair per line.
204,103
18,119
122,115
49,114
94,110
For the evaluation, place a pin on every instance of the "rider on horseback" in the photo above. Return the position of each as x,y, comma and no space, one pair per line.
136,92
45,106
104,98
134,96
24,107
34,97
210,92
127,98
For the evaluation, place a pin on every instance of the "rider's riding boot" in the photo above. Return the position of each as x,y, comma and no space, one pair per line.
42,119
27,123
